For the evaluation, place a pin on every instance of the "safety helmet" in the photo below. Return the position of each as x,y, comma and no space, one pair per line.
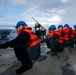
74,26
59,26
21,23
66,25
52,27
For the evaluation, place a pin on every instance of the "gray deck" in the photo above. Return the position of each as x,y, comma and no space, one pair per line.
50,66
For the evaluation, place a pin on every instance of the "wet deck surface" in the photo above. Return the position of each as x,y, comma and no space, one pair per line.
50,66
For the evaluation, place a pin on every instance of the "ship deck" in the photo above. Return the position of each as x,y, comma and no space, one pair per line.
51,65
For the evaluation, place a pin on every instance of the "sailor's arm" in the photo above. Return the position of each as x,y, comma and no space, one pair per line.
22,38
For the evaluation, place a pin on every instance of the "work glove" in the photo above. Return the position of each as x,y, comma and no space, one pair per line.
3,46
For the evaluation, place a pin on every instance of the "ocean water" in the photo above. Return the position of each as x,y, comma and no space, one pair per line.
9,37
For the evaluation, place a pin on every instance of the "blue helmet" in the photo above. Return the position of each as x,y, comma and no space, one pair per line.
52,27
66,25
21,23
59,26
74,26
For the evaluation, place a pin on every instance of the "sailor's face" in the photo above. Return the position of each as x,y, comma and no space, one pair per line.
19,28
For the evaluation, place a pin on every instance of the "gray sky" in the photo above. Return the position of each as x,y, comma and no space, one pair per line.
46,12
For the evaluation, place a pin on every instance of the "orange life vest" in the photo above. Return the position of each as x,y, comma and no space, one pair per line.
51,33
59,31
65,30
33,38
73,34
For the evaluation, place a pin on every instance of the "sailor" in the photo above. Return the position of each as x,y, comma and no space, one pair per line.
74,26
26,46
54,40
68,39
